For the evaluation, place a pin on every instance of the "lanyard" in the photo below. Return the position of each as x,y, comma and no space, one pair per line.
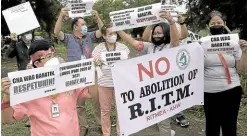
226,68
162,47
80,44
114,48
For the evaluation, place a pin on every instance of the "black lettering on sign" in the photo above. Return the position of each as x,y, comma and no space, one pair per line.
135,110
140,9
183,93
143,14
17,80
220,44
225,38
148,8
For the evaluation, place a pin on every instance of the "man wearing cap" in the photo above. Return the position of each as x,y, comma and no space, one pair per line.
79,46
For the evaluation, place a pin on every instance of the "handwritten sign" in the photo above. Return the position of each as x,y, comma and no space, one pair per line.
79,8
36,83
137,17
20,18
227,43
157,87
109,58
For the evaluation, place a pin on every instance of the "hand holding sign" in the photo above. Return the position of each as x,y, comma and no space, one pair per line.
94,13
5,84
180,18
13,36
243,45
167,15
64,12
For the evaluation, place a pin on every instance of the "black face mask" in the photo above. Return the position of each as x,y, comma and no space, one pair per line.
216,30
158,40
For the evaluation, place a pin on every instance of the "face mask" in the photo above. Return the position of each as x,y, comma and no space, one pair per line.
215,30
158,40
28,37
112,39
84,30
53,62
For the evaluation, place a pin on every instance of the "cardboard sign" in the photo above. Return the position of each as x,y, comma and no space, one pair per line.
36,83
227,43
79,8
158,86
20,18
137,17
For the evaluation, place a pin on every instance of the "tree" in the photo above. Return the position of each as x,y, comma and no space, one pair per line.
234,11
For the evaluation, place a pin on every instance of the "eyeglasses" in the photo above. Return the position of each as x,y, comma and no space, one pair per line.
158,34
47,57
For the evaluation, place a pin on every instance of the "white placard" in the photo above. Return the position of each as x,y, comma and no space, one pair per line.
79,8
76,74
109,58
36,83
158,86
227,43
20,18
167,5
137,17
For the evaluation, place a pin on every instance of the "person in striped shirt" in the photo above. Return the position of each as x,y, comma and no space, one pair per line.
105,81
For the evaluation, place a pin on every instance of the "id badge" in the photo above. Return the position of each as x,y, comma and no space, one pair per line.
55,110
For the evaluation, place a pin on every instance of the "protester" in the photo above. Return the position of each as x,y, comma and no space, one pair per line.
183,34
222,84
161,38
79,46
182,30
19,49
39,111
105,82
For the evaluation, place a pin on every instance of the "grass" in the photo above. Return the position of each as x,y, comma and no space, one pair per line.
195,114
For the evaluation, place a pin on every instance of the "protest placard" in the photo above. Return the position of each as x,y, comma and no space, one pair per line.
193,36
137,17
36,83
32,84
20,18
109,58
158,86
169,5
227,43
79,8
76,74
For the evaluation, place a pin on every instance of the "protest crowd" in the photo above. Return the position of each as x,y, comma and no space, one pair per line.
90,73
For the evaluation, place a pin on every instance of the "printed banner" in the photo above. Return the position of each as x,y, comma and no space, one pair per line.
137,17
215,44
157,86
168,5
109,58
79,8
36,83
20,18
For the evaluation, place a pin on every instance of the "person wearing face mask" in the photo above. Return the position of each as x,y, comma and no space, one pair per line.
19,49
222,84
39,110
79,45
183,34
161,39
105,82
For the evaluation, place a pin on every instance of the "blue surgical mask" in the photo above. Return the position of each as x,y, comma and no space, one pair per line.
83,30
